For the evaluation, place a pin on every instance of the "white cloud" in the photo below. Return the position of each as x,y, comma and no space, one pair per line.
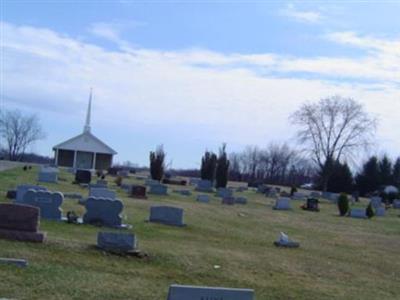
209,96
301,15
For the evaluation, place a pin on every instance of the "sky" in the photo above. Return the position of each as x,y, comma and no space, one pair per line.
192,75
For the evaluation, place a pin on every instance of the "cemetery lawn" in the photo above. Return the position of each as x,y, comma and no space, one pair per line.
339,257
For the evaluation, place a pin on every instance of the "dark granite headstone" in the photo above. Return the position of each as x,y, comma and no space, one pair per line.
48,202
104,212
312,204
228,200
138,191
116,242
166,215
188,292
20,222
83,176
224,192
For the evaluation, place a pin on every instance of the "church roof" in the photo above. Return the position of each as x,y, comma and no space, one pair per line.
86,141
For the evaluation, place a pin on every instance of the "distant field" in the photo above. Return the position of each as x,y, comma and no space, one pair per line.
339,258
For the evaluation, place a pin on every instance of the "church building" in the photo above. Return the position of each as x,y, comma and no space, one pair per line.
84,151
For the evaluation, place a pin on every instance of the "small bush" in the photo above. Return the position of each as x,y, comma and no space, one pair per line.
293,190
370,211
118,181
343,204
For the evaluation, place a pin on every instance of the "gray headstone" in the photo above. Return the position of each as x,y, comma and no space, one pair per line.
299,196
204,186
101,193
150,182
240,200
315,195
22,189
158,189
188,292
50,177
167,215
396,204
103,211
376,202
359,213
203,198
102,183
116,242
282,203
224,192
48,202
194,181
14,261
380,211
334,197
183,192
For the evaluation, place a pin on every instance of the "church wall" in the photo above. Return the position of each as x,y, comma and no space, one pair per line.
65,158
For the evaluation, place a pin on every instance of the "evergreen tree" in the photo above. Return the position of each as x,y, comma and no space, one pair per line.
341,179
396,173
208,165
221,174
157,163
385,171
368,179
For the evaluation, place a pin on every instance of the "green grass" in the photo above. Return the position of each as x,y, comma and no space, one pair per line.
339,258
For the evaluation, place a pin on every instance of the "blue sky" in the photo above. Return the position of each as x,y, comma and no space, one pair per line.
194,74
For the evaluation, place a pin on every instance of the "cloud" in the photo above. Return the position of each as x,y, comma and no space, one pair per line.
301,16
193,96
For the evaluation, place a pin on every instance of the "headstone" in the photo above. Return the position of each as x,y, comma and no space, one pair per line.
299,196
204,186
282,203
241,189
240,200
334,197
326,195
203,198
20,222
315,195
116,242
396,204
194,181
73,195
189,292
22,189
101,183
46,176
183,192
224,192
312,204
23,263
150,182
83,176
11,194
262,188
48,202
126,187
138,191
166,215
158,189
285,241
228,200
272,193
101,193
104,212
376,202
380,211
359,213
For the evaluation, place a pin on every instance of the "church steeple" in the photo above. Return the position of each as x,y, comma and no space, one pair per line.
87,124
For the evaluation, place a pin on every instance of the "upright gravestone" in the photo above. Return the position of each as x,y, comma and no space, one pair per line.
150,182
20,222
48,176
396,204
224,192
262,188
138,191
22,189
48,202
188,292
183,192
299,196
376,202
312,204
282,203
194,181
104,212
158,189
228,200
167,215
101,193
240,200
116,242
83,176
203,198
102,183
380,211
333,197
204,186
315,195
359,213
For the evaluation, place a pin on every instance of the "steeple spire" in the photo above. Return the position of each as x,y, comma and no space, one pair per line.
87,124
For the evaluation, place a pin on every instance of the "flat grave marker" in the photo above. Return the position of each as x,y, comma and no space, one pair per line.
190,292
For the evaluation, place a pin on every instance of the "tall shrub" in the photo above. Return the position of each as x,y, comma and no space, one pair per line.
343,204
157,166
221,174
208,166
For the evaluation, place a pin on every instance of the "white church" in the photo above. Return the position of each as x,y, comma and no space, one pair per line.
84,151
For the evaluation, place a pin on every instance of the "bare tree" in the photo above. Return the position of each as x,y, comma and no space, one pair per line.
333,128
18,132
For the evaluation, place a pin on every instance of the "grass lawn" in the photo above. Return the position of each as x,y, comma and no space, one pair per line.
339,257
